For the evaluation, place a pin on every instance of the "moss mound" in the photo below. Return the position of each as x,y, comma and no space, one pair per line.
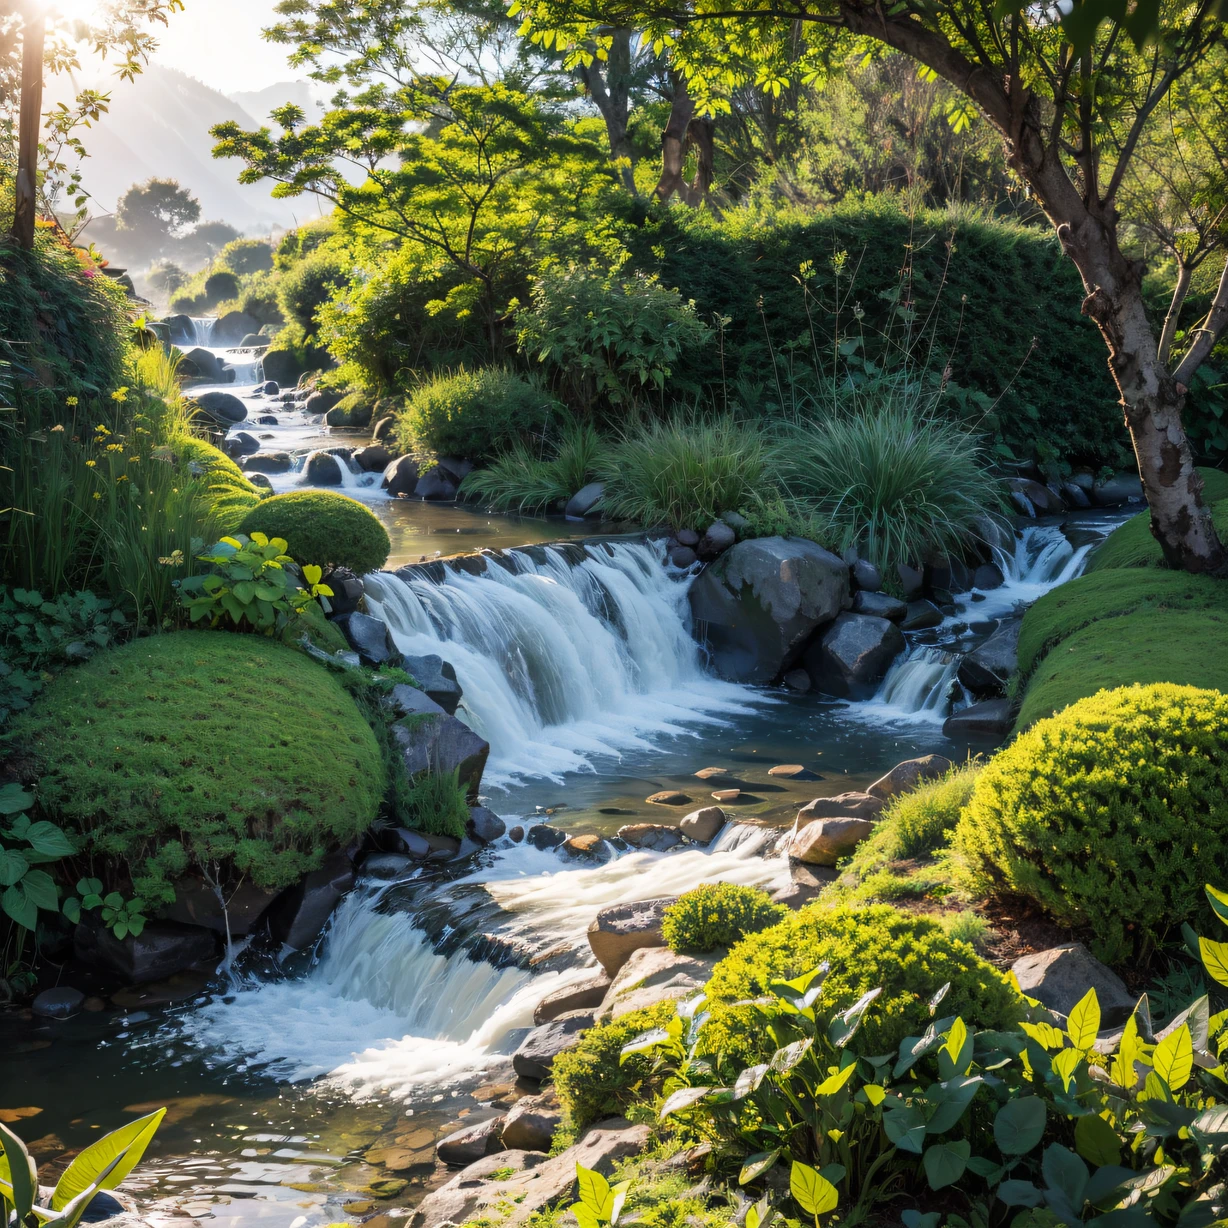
231,495
718,915
323,528
909,957
1109,815
353,410
200,747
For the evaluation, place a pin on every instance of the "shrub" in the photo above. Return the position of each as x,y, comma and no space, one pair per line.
590,1081
308,285
323,528
718,915
221,287
245,256
522,480
473,413
1109,815
908,956
199,749
685,472
1132,545
258,299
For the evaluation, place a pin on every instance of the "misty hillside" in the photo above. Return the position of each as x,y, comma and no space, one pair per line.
260,102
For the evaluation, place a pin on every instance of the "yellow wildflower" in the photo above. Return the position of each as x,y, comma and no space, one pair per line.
120,394
71,401
57,429
91,464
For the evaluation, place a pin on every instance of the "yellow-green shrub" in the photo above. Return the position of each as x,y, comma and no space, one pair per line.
718,915
1111,815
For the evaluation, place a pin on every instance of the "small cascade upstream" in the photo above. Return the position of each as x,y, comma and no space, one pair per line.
564,653
247,364
203,327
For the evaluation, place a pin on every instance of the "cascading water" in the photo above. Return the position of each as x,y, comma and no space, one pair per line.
563,655
917,687
202,327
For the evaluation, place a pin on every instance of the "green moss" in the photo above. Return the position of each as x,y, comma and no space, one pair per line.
231,495
718,915
1111,815
197,748
908,957
323,528
353,410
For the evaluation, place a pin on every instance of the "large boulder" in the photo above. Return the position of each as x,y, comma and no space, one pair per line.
853,654
535,1057
282,366
584,995
323,469
921,615
988,721
374,458
384,429
531,1122
160,950
223,407
880,605
1119,490
230,329
300,913
369,637
1045,500
321,401
652,975
656,837
61,1003
435,486
987,668
437,678
199,363
180,329
620,929
906,776
841,806
464,1146
400,476
585,502
718,538
443,744
703,825
1060,978
762,600
196,903
485,826
825,841
267,462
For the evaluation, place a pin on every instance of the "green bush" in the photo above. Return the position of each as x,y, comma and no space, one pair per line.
221,287
244,256
198,749
1111,815
258,299
306,286
524,481
1132,545
323,528
909,957
718,915
590,1081
473,414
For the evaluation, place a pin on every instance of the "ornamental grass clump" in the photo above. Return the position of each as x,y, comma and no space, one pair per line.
1110,815
526,478
718,915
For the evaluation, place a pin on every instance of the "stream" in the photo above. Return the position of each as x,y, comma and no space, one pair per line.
292,1087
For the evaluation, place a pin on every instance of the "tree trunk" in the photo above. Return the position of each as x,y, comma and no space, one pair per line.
29,124
673,140
612,97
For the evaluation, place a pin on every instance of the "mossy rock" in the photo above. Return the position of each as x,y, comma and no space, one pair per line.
323,528
231,495
197,748
353,410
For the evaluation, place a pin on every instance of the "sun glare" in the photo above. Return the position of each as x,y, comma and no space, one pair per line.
74,10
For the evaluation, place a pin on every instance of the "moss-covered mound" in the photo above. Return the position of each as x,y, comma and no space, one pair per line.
908,957
231,495
353,410
323,528
1113,628
1111,815
200,747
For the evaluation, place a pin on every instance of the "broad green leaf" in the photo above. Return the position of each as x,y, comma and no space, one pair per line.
49,840
1219,902
1065,1064
20,907
682,1099
905,1128
1064,1171
1020,1194
40,888
813,1192
643,1043
756,1165
833,1083
1044,1034
585,1216
1019,1125
14,799
953,1098
1173,1058
108,1161
1215,959
1096,1141
1083,1026
944,1163
22,1175
13,867
594,1191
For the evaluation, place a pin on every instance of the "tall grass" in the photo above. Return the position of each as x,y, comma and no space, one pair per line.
525,480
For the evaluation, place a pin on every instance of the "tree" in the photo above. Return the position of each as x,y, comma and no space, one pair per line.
1072,99
153,214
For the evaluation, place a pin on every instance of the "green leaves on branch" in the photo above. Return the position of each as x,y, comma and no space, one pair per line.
25,845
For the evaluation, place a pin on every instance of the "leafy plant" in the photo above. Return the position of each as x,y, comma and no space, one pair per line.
24,846
101,1166
323,528
122,917
436,803
600,1203
718,915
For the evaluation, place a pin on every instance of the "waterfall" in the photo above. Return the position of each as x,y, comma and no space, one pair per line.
351,479
202,327
388,1009
562,658
917,687
1042,559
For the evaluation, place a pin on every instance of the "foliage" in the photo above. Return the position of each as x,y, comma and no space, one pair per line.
220,286
718,915
591,1081
248,585
915,823
24,847
122,917
323,528
600,1203
159,754
608,335
436,803
1140,774
305,287
909,958
473,413
685,471
101,1166
151,215
523,480
244,256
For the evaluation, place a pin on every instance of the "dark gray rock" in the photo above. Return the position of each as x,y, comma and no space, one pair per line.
369,637
682,556
585,502
736,521
231,328
1060,978
435,486
585,996
323,469
300,913
866,576
718,538
261,480
535,1057
987,668
244,444
282,366
454,468
762,600
987,721
437,678
347,590
485,826
615,932
424,846
912,580
181,329
1075,495
266,420
162,949
921,614
384,429
1042,498
687,537
1119,490
853,654
198,363
544,837
374,458
879,605
321,401
987,576
400,476
222,407
271,388
410,701
472,1143
197,903
61,1003
797,680
442,744
1022,504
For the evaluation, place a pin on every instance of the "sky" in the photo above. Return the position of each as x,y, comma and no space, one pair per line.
218,42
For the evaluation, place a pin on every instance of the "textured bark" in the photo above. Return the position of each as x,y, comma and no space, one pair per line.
29,124
611,94
685,132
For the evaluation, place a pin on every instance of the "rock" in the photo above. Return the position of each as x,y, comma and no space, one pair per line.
817,877
384,429
825,841
267,462
669,797
323,469
1119,490
588,845
585,502
987,576
437,678
921,614
1044,500
1075,495
585,996
867,577
796,895
842,806
987,721
230,329
435,486
736,521
281,366
793,771
485,826
422,846
535,1057
879,605
703,825
162,949
196,903
472,1143
443,744
652,975
454,468
271,388
1060,977
261,480
61,1003
620,929
321,401
682,556
544,837
687,537
223,407
987,668
718,538
253,341
407,700
374,458
1022,504
347,590
198,363
655,837
912,581
531,1122
906,776
181,329
762,600
797,680
515,834
300,913
853,655
369,637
